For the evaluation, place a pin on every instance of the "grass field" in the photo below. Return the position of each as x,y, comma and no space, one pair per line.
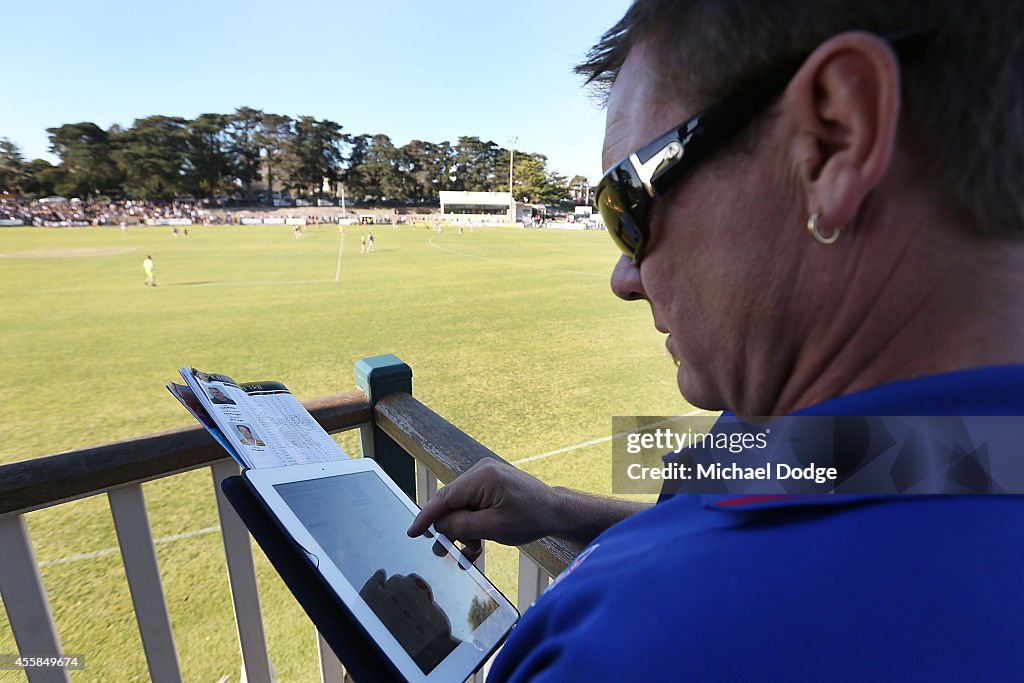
512,334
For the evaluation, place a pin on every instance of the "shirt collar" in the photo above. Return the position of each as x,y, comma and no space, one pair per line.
997,390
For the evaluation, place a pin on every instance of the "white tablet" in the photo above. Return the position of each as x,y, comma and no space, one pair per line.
431,612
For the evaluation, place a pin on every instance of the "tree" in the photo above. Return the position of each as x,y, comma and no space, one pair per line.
86,153
556,188
475,165
272,138
241,133
13,171
579,189
153,155
385,168
313,152
376,170
534,183
418,161
163,156
42,178
501,169
356,177
441,166
207,162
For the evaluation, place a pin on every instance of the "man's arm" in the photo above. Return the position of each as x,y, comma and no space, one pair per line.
585,516
498,502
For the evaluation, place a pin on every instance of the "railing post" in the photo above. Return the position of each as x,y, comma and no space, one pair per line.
135,538
28,610
379,376
245,597
331,669
426,484
532,582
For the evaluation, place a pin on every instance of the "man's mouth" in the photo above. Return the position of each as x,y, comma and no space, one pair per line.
668,347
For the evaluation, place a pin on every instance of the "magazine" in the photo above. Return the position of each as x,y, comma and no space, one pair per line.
261,424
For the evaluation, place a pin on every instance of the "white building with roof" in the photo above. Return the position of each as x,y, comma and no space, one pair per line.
477,207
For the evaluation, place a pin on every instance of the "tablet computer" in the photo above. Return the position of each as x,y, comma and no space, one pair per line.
427,608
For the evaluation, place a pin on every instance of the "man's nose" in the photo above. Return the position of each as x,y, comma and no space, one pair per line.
626,280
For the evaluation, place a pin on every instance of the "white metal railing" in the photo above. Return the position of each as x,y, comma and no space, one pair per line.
28,608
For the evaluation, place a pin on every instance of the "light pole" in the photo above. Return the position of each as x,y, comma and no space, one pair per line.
511,159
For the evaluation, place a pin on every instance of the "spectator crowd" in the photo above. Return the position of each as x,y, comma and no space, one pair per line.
59,212
77,212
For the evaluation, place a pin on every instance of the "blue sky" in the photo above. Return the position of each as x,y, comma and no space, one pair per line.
409,69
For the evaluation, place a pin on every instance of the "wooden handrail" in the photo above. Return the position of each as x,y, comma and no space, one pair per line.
447,451
442,447
32,484
119,468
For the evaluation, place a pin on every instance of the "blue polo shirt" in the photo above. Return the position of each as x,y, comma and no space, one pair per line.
768,588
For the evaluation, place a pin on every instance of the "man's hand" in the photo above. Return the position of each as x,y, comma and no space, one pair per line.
497,502
491,501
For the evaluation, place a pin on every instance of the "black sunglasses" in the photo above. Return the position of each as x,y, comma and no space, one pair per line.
628,189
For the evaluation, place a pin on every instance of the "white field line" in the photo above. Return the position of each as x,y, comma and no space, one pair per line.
592,442
251,282
243,283
107,551
213,529
516,263
341,250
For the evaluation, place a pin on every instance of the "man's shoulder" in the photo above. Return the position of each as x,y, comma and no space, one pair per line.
813,591
991,390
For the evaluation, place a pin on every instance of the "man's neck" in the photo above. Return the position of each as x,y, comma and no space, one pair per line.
937,302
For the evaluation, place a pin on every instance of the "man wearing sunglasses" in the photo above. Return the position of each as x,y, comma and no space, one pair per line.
821,203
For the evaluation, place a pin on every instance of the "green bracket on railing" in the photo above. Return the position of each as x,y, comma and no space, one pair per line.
379,376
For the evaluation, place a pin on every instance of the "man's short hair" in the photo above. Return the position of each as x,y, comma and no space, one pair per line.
963,115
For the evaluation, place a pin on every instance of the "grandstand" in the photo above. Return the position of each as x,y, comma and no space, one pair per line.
477,207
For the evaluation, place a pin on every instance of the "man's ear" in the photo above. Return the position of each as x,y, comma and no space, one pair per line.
844,104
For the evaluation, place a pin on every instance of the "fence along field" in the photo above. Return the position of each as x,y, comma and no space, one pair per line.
512,334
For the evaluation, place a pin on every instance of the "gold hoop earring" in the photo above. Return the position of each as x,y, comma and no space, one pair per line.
812,227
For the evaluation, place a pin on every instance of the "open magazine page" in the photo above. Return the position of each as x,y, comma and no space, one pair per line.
290,426
194,406
228,406
269,429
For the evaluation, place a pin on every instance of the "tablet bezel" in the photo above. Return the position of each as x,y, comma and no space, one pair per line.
465,658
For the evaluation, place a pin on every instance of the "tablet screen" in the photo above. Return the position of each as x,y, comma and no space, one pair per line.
415,586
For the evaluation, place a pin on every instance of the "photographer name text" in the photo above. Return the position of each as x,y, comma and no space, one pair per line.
731,472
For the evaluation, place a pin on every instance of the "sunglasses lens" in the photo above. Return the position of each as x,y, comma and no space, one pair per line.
631,238
621,226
